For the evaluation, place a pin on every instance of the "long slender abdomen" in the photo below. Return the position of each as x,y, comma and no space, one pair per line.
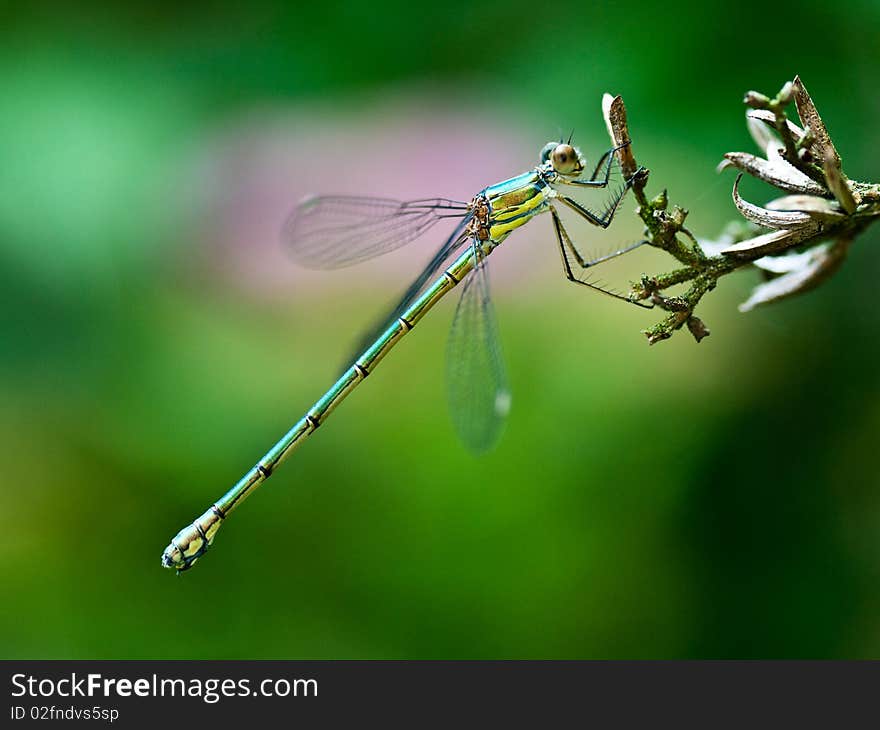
193,540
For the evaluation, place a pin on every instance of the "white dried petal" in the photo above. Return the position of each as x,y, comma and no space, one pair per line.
713,248
822,209
774,241
788,262
761,133
735,230
607,101
821,262
765,217
766,120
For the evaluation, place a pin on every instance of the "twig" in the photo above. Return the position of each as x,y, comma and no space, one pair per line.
821,205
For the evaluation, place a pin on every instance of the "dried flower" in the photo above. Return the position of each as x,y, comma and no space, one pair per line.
797,240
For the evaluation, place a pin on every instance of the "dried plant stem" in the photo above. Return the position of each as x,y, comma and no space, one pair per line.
821,205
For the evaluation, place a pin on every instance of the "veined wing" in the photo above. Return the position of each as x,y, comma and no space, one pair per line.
332,231
451,246
479,395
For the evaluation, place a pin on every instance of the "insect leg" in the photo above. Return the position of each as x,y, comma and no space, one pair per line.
566,245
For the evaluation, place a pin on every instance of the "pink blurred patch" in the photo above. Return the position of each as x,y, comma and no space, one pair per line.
251,174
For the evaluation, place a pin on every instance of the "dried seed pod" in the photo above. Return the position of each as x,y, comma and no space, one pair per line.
809,115
614,113
774,241
776,172
838,183
765,217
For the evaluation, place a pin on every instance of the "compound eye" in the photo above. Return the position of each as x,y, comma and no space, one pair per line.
565,159
548,150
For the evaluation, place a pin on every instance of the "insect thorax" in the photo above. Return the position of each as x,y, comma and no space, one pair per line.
479,225
512,203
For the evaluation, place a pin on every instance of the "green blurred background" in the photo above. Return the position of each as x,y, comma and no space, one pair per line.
718,500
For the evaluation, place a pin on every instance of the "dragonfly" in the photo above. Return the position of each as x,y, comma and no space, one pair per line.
328,232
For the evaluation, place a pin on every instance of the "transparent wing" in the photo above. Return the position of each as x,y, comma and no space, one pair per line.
332,231
451,246
479,395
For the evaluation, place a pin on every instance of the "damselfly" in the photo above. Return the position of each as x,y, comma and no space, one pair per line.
336,231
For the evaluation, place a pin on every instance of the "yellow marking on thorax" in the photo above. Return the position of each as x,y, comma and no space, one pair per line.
514,209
